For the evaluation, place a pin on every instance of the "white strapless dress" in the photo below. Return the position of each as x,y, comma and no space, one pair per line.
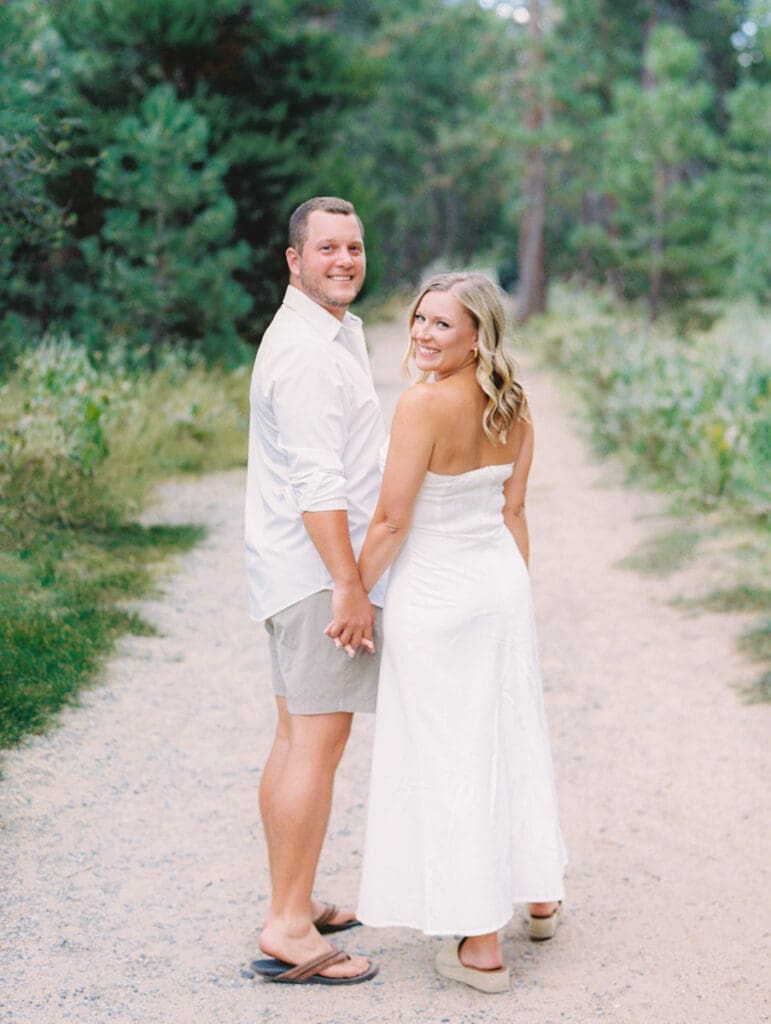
462,819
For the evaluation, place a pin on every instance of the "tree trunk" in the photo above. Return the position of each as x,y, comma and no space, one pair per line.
531,287
655,287
656,276
451,224
158,326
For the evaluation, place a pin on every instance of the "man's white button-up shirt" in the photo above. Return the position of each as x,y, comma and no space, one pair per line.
315,434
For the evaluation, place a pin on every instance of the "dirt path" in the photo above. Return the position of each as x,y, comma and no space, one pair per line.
133,875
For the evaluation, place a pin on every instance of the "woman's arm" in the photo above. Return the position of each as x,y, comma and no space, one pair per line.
352,613
409,453
514,492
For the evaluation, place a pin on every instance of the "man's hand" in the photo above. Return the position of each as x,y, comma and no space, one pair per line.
353,618
353,615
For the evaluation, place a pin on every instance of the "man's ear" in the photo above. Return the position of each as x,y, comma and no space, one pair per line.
293,261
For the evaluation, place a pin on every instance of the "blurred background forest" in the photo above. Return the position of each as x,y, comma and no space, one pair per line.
609,158
152,151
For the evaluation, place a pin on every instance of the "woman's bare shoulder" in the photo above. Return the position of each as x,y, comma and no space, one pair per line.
419,398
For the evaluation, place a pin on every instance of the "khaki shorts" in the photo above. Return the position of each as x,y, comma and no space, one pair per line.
314,676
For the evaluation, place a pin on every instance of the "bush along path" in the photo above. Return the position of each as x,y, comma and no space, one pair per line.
687,413
132,869
81,442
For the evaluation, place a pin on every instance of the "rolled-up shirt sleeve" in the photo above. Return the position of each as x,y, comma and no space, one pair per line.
311,406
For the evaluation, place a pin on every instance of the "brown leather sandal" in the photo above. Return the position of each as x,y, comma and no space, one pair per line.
308,973
323,923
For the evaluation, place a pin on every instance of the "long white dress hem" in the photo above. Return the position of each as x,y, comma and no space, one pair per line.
462,819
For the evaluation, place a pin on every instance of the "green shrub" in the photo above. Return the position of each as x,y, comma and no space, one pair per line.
57,413
690,414
695,419
80,442
60,612
184,416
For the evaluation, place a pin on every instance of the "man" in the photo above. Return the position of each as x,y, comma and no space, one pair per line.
314,439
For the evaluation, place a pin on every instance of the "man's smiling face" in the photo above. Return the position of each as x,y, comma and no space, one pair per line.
331,267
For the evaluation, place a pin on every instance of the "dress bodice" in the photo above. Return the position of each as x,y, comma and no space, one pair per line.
464,503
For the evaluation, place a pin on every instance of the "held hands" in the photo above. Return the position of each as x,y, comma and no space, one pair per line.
353,618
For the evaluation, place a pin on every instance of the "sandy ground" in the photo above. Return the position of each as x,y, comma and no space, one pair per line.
133,874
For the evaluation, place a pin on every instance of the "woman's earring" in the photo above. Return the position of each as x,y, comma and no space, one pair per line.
475,350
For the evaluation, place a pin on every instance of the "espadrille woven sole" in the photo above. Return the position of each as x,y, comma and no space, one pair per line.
448,964
542,928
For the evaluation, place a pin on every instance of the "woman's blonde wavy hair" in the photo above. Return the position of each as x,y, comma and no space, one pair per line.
506,400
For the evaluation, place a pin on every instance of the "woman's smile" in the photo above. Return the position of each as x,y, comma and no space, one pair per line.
443,333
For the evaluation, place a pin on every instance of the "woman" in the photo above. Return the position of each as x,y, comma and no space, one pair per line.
463,814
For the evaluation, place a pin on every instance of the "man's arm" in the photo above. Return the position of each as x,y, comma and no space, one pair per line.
353,615
310,402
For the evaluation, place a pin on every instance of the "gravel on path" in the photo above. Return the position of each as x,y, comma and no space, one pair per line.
132,868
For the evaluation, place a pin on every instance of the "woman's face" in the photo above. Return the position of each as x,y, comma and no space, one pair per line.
443,334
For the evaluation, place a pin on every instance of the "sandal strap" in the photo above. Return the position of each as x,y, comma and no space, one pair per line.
326,915
304,971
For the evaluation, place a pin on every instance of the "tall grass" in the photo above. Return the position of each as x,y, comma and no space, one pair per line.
689,414
80,444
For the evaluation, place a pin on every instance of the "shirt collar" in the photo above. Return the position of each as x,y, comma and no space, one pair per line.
322,321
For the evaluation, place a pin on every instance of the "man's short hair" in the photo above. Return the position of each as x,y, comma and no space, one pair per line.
298,222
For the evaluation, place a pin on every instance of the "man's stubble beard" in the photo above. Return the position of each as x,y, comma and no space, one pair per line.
322,297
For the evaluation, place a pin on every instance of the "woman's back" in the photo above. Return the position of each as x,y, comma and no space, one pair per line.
462,445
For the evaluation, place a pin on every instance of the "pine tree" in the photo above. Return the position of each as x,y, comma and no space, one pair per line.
742,233
658,154
429,155
271,78
165,265
33,141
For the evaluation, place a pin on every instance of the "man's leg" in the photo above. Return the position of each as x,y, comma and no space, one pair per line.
295,801
274,766
273,770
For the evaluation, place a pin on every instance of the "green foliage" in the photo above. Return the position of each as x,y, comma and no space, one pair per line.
594,44
80,442
184,416
165,267
664,553
742,598
27,214
34,134
633,143
742,232
269,78
428,158
697,418
655,138
173,23
661,215
691,415
55,417
59,614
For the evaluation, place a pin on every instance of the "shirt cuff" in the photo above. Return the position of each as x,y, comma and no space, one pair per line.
321,492
330,505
